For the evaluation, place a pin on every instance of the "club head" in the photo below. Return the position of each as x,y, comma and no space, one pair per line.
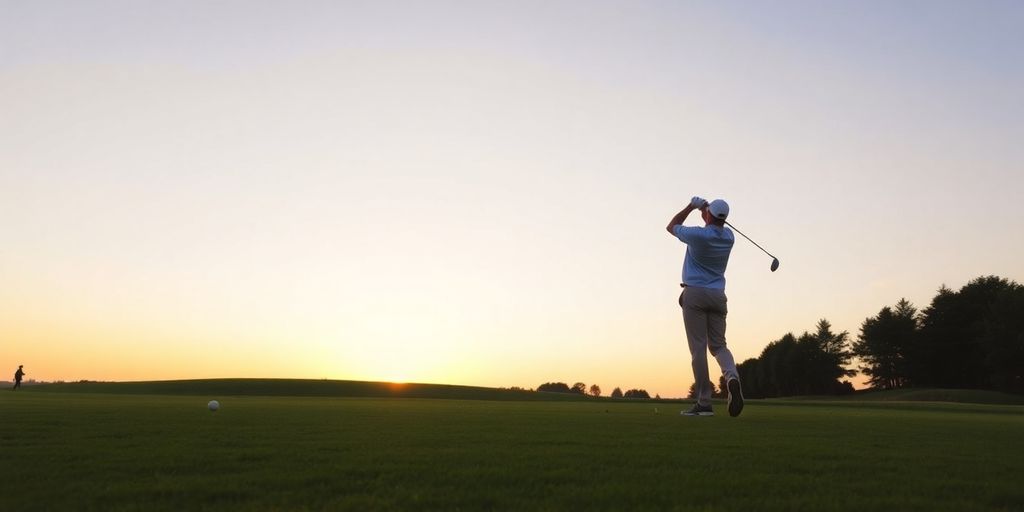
775,264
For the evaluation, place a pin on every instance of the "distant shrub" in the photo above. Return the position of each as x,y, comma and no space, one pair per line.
637,393
554,387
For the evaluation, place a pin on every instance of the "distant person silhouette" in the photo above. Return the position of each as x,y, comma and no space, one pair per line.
17,377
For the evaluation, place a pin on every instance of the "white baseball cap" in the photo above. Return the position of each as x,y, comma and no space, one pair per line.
719,209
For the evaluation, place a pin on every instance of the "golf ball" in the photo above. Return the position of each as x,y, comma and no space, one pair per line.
213,405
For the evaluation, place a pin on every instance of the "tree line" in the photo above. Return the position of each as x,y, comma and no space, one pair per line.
972,338
809,364
595,390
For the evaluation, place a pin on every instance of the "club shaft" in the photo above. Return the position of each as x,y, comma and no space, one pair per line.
748,238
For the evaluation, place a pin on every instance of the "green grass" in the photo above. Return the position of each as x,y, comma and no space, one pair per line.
973,396
129,451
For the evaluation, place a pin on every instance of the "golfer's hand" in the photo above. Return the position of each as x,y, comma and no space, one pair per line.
698,202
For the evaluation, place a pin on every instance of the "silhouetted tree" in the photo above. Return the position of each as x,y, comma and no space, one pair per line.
595,390
824,356
616,393
579,388
809,365
752,377
885,343
636,393
781,362
815,372
554,387
1002,339
838,349
972,338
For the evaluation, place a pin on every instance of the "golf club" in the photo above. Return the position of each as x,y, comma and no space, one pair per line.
775,261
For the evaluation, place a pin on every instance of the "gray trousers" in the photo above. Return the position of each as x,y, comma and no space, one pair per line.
704,311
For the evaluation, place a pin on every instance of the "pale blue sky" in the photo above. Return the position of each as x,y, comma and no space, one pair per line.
475,192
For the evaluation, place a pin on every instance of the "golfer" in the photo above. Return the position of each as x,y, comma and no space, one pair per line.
703,300
17,377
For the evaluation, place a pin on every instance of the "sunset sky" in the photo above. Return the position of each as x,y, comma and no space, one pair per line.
475,192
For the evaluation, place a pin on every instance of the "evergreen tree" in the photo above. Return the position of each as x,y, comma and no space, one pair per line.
837,346
752,377
1002,340
885,344
972,338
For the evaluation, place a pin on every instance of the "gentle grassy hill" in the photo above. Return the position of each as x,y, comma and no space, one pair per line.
967,396
296,387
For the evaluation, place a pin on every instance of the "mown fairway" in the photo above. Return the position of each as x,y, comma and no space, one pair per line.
73,451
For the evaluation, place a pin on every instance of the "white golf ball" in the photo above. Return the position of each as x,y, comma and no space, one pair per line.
213,405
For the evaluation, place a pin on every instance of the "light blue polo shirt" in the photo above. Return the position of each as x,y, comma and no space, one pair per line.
707,254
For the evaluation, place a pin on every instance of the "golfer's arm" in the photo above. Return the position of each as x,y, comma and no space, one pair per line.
678,219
